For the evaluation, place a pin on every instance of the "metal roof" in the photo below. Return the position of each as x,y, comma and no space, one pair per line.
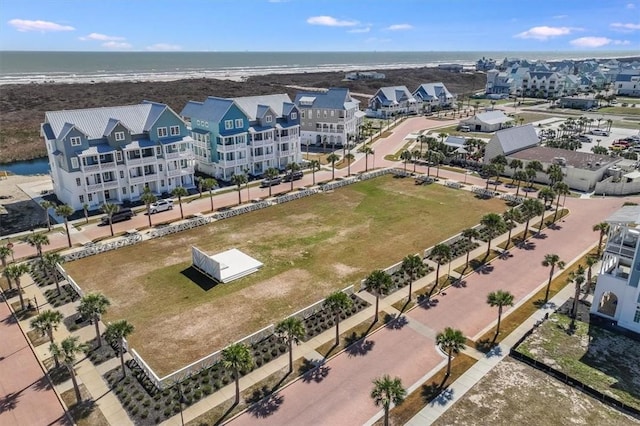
255,106
432,91
334,98
212,109
516,138
493,117
626,215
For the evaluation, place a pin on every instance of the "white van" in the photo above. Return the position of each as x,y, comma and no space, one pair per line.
465,129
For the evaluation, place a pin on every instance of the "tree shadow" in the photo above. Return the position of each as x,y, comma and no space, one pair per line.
443,398
485,269
540,236
264,402
427,302
198,278
357,346
527,245
393,322
459,283
316,371
9,402
83,409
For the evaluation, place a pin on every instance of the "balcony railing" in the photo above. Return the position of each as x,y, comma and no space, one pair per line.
99,167
231,148
143,160
283,153
287,138
110,185
95,187
262,157
137,179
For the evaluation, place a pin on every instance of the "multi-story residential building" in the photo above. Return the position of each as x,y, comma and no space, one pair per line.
628,83
328,118
617,293
244,135
111,154
542,84
390,101
431,95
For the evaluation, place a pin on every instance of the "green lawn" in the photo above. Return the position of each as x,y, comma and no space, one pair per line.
309,247
618,110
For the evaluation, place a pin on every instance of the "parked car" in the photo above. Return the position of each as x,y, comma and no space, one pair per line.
297,175
599,132
119,216
270,182
584,138
465,129
161,205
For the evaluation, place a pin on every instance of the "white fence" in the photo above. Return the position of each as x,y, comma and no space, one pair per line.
179,227
241,210
94,248
294,196
70,280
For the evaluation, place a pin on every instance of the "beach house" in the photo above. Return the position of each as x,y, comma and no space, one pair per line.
617,293
244,135
112,154
390,101
628,83
489,121
329,117
430,95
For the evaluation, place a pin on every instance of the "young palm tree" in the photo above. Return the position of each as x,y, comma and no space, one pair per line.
239,180
46,322
519,176
110,209
441,253
530,209
14,273
118,331
148,198
237,357
560,188
451,341
93,306
349,157
405,156
85,209
5,252
469,234
547,195
50,262
46,205
315,166
416,154
554,173
387,391
516,164
337,303
332,158
37,241
494,224
366,150
603,228
180,192
499,298
577,277
65,211
68,349
271,173
292,168
412,265
378,282
290,331
208,184
511,216
591,262
552,261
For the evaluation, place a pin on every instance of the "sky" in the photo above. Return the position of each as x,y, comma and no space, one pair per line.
320,25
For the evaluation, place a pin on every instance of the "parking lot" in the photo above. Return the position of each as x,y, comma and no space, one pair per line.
615,134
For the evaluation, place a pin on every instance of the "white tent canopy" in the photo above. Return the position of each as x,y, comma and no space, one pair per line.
226,266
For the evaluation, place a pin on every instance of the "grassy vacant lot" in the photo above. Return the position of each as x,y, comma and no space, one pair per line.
606,361
619,110
309,247
514,393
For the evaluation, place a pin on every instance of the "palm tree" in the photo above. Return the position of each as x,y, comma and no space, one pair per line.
412,265
290,331
46,205
552,261
603,228
530,209
50,262
451,341
490,170
440,253
237,357
416,154
238,180
578,279
387,391
180,192
560,188
337,303
494,224
37,241
15,272
110,209
469,234
547,195
67,350
271,173
118,331
349,157
85,210
93,306
332,158
46,322
366,150
499,298
148,198
437,158
292,168
511,216
405,156
315,166
554,173
65,211
442,136
516,164
378,282
208,184
591,262
532,168
5,252
519,176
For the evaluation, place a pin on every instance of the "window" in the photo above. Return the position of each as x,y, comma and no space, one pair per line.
636,317
324,113
317,113
239,123
81,198
90,197
302,114
74,162
76,141
198,122
78,182
228,124
119,156
121,174
269,119
294,115
332,113
174,130
158,150
124,190
159,167
162,182
162,132
119,136
131,189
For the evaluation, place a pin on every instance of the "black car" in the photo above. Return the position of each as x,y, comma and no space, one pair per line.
119,216
297,175
270,182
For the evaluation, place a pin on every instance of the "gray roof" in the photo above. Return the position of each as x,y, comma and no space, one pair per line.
493,117
626,215
94,121
334,98
455,141
394,94
515,139
255,106
576,159
433,90
212,109
627,76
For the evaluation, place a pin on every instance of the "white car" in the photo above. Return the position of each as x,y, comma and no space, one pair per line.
160,206
599,132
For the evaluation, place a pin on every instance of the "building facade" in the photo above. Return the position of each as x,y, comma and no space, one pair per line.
112,154
628,84
328,118
617,293
390,101
432,95
244,135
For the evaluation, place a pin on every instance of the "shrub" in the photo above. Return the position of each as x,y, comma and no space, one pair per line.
139,397
167,412
207,390
134,410
144,414
197,394
156,407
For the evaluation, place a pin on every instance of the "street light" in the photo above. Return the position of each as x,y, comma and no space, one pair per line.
181,400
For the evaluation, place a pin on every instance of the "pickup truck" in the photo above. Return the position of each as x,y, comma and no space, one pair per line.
161,205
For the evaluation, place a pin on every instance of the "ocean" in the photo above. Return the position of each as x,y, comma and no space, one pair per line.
93,67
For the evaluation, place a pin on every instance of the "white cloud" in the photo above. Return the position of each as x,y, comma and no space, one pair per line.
25,25
622,42
560,16
164,47
399,27
360,30
619,26
116,45
330,21
544,32
101,37
631,6
591,41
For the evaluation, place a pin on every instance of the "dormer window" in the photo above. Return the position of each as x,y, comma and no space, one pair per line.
228,124
119,136
75,141
268,119
162,132
239,123
294,115
174,130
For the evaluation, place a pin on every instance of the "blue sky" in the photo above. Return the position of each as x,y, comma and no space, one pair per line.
320,25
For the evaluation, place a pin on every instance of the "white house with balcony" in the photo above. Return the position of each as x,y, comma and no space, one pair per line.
244,135
111,154
391,101
617,293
